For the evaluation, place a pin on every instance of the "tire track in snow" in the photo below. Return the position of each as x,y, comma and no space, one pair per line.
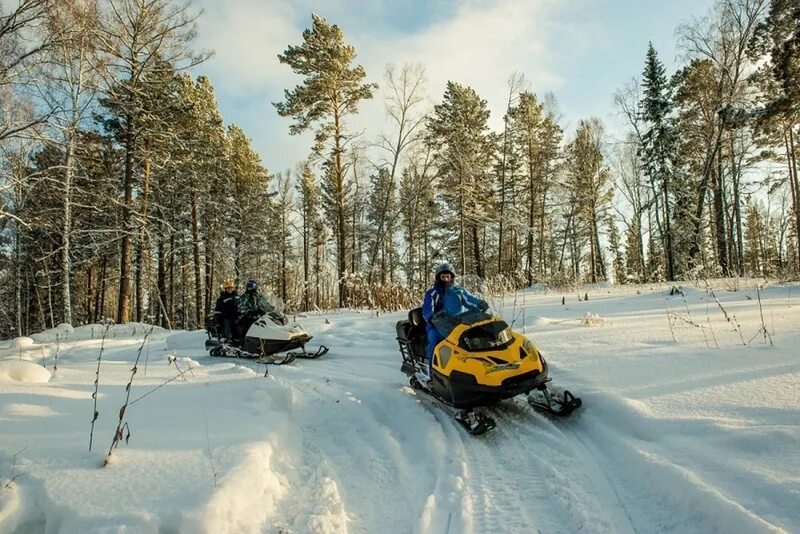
530,477
651,485
372,449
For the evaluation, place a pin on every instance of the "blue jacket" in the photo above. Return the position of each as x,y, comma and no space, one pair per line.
452,300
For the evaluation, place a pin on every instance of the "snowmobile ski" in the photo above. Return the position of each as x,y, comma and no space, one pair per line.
228,351
321,351
559,404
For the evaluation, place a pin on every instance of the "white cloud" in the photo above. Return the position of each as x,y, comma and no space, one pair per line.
478,44
247,36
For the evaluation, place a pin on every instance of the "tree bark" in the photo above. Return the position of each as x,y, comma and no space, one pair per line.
198,278
123,302
719,218
66,232
161,283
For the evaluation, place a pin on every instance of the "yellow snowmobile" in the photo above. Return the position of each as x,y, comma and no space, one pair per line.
480,362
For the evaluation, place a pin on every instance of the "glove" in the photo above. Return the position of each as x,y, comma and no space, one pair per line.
483,306
285,320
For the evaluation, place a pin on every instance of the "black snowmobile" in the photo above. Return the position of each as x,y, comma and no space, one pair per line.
480,362
267,339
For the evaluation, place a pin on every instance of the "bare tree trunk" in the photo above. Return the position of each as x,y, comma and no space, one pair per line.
592,252
668,243
737,213
171,307
89,292
341,211
317,260
719,219
66,231
50,307
462,230
541,260
530,227
503,189
161,282
198,278
142,240
184,292
210,274
100,303
564,242
306,244
123,302
795,181
17,281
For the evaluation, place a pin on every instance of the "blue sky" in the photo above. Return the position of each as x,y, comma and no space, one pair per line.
580,50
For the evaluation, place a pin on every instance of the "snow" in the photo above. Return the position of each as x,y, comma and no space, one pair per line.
23,371
690,423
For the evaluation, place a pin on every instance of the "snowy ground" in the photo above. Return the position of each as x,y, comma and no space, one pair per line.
693,427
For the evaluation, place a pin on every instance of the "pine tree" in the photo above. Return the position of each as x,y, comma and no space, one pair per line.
249,181
753,234
776,46
72,87
419,214
459,133
308,204
658,143
330,92
537,137
590,190
619,260
137,38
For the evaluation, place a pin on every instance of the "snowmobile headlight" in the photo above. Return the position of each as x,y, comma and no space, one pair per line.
444,356
528,347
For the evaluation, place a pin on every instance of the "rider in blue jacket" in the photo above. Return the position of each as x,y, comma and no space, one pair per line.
445,298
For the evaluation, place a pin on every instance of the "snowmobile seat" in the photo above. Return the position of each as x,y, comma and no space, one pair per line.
212,328
417,335
415,318
412,338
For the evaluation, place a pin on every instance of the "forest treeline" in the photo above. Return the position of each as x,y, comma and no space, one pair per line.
125,196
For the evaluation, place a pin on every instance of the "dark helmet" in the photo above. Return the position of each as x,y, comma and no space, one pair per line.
251,286
445,268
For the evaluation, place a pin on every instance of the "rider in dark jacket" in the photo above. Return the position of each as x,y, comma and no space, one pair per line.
226,310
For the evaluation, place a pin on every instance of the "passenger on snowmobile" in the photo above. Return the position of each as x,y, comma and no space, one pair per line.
253,305
445,299
226,310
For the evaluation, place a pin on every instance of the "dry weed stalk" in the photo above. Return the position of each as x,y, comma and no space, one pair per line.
121,425
10,482
95,413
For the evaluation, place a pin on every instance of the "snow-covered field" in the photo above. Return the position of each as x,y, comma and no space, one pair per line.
690,423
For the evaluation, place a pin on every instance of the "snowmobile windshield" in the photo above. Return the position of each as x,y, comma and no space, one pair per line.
445,323
495,335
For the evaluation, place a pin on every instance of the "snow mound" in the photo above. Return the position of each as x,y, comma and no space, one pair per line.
59,333
592,319
186,340
22,371
22,342
248,496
